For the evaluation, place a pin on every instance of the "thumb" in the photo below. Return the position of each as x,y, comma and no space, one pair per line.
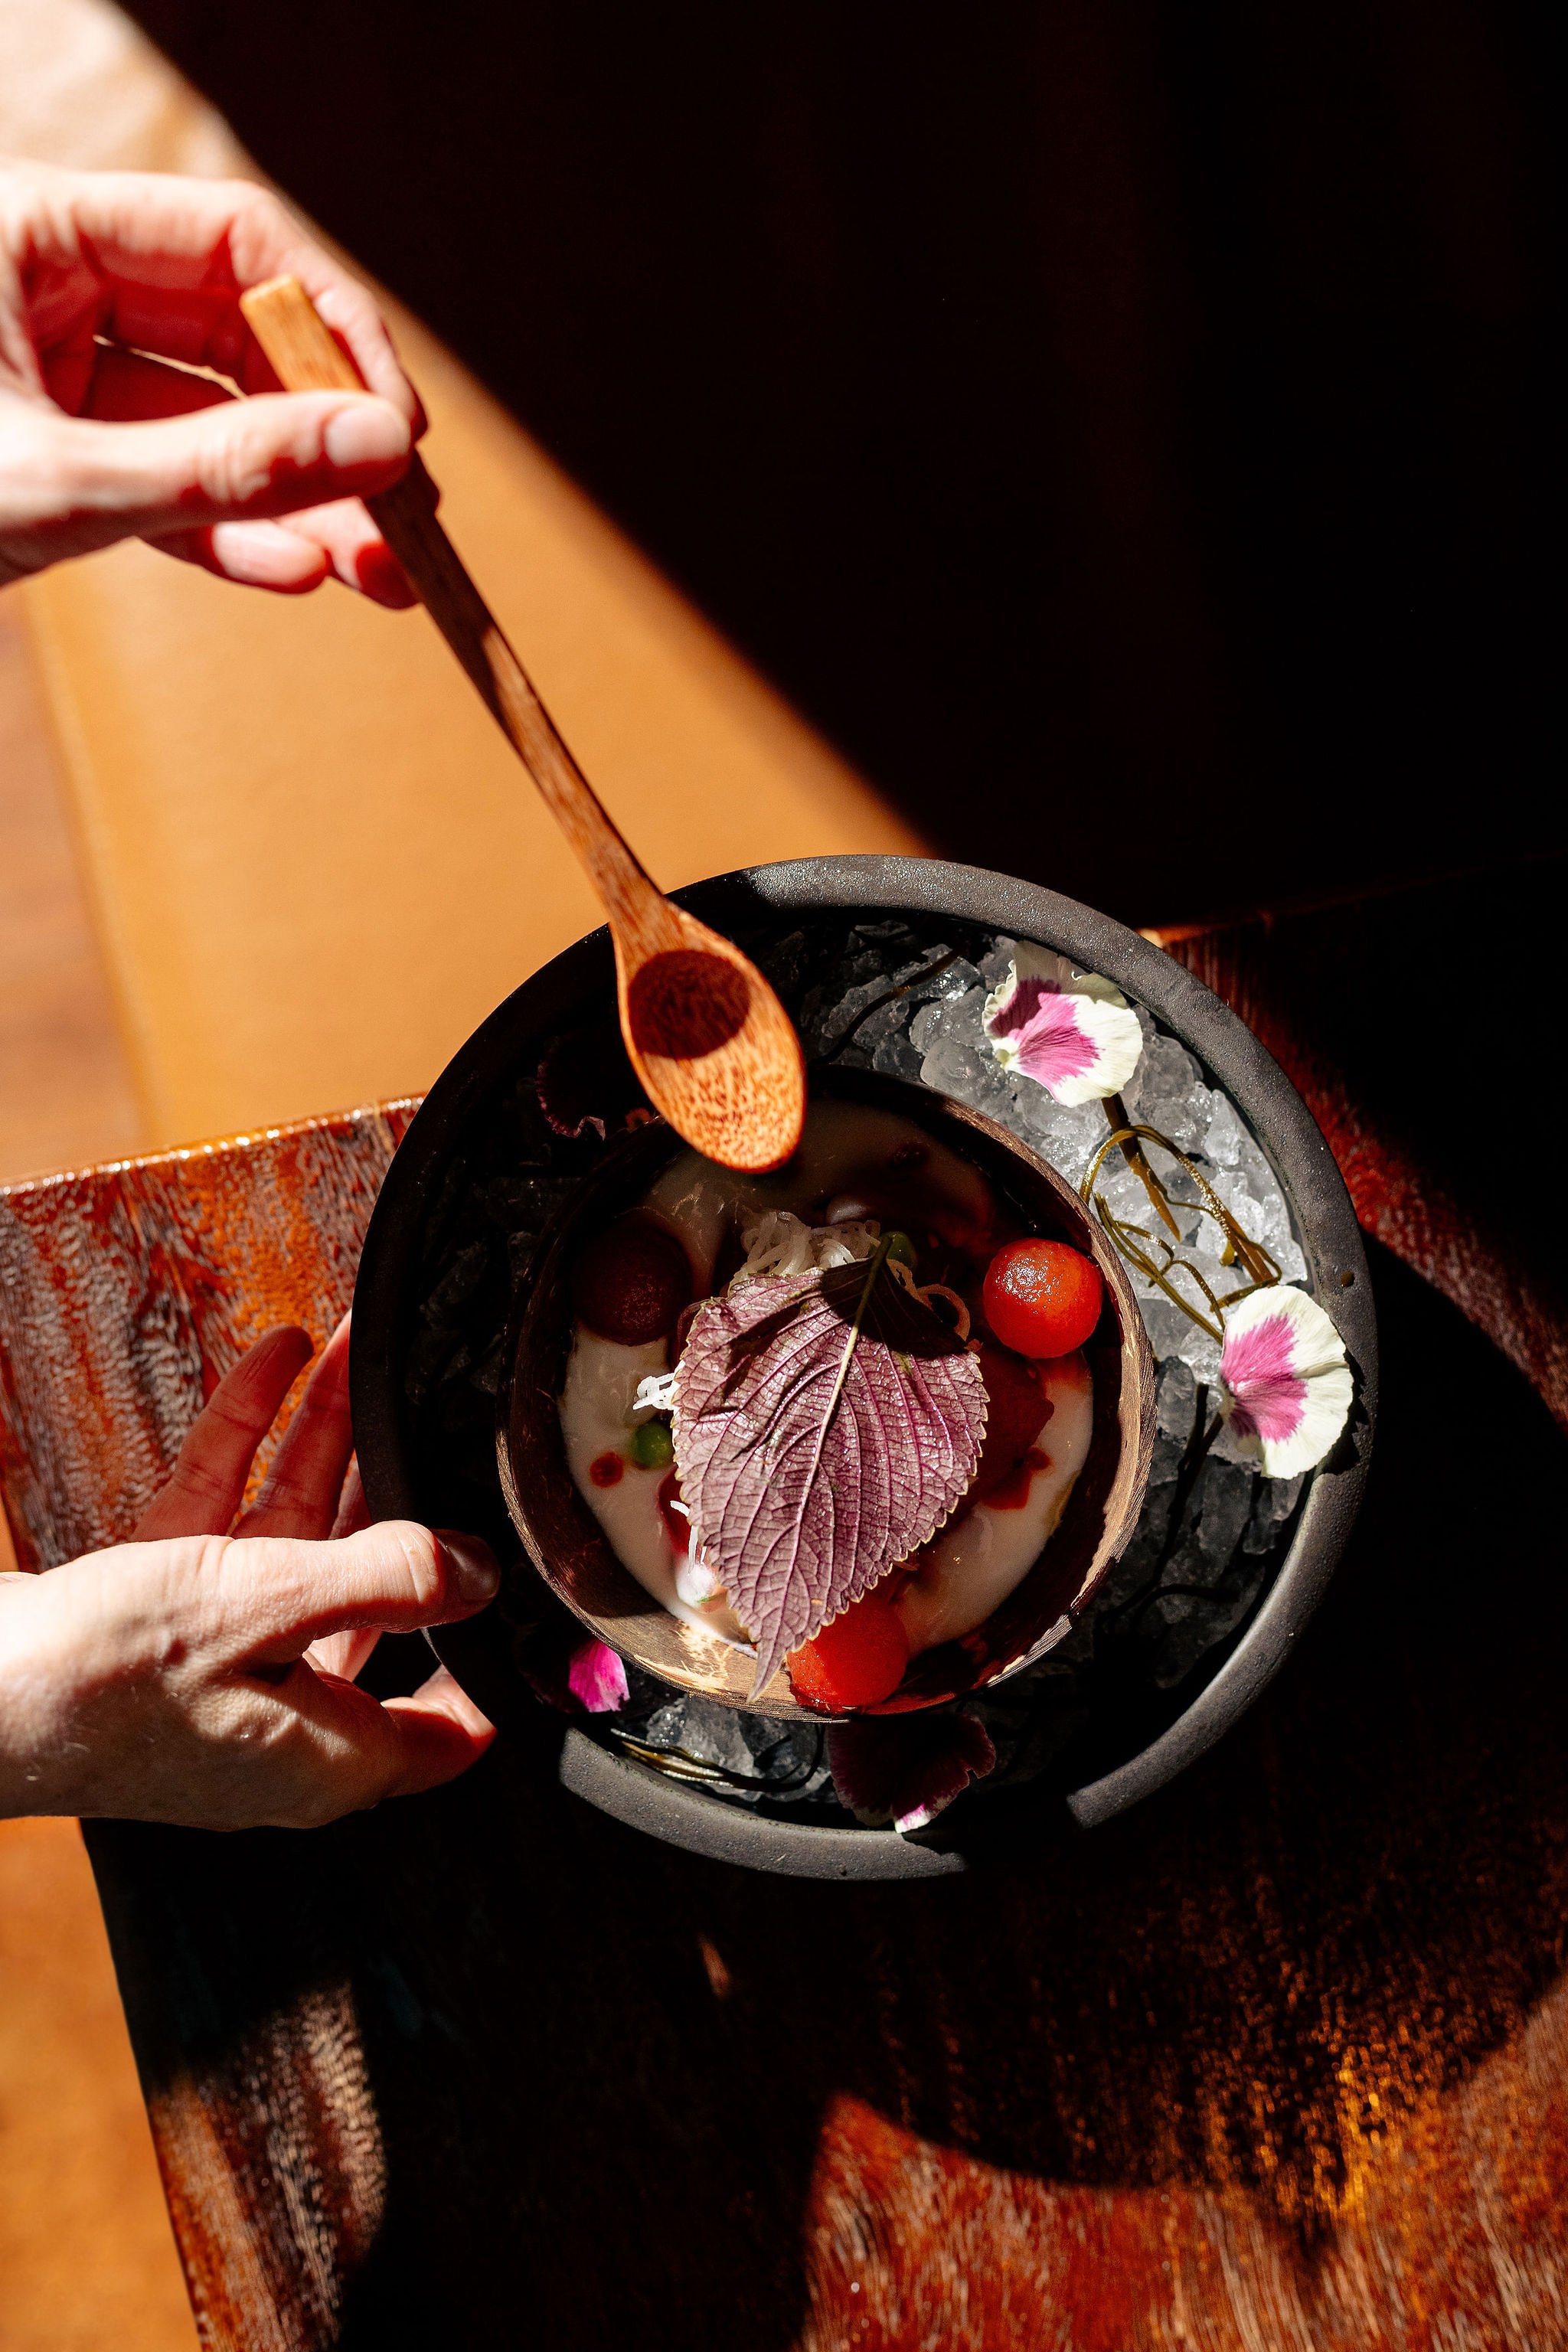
243,459
272,1596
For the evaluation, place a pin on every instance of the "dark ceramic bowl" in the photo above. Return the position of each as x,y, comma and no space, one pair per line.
402,1467
568,1547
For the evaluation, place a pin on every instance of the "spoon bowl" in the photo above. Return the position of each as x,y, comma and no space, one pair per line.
714,1049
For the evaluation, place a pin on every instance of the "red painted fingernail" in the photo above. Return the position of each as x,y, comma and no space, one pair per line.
470,1563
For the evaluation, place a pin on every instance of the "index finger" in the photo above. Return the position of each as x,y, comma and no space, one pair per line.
208,1479
301,1493
178,253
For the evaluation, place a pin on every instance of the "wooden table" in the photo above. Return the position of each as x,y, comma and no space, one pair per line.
1279,2060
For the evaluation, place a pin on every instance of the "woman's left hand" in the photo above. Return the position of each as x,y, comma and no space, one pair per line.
204,1676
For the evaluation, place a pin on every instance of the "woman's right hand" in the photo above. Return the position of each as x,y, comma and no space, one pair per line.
114,286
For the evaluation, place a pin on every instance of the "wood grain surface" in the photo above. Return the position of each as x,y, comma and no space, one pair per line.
87,2260
1278,2060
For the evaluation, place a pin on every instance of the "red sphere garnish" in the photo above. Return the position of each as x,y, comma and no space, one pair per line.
1042,1298
856,1661
1012,1493
606,1469
631,1282
1019,1409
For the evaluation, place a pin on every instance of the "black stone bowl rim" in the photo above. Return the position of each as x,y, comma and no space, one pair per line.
1320,1206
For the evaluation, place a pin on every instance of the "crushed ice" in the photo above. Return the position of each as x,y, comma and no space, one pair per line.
918,1016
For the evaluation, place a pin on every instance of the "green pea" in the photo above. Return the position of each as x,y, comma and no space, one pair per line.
651,1447
903,1249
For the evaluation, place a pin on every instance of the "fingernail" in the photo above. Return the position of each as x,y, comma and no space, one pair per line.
381,575
470,1564
366,433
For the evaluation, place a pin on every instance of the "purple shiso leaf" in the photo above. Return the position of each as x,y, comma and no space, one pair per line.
1285,1385
598,1676
1074,1035
907,1769
814,1455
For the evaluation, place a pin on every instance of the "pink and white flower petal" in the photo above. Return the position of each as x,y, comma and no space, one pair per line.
1073,1033
598,1677
1285,1385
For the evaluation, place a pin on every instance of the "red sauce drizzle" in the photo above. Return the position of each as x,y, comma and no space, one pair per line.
676,1525
1013,1491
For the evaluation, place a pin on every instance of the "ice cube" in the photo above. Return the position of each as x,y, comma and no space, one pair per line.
1167,1091
1224,1137
1125,1194
666,1726
897,1057
704,1729
791,1757
1177,1399
1068,1136
1173,1335
1276,1500
1225,1507
995,965
923,1028
959,977
1252,1194
1193,1630
957,1056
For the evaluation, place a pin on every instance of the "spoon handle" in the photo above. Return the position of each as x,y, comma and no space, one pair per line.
306,357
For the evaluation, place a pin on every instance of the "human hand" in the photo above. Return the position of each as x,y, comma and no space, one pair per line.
105,278
195,1676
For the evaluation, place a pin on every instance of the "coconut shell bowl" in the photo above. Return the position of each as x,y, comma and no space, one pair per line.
568,1549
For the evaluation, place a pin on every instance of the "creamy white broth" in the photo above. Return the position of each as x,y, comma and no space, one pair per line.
971,1565
596,1418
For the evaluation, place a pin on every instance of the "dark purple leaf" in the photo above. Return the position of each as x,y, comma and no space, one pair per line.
586,1083
825,1428
905,1768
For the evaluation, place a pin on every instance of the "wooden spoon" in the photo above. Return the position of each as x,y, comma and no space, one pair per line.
711,1043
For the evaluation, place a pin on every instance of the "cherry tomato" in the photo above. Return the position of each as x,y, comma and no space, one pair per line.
631,1282
856,1661
1042,1298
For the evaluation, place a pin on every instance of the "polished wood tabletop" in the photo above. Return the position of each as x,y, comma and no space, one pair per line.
1279,2059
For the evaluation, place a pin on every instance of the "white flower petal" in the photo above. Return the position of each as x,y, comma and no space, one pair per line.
1090,984
1117,1040
1286,1386
1026,1036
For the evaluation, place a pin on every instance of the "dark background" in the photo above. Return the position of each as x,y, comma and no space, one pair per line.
1123,429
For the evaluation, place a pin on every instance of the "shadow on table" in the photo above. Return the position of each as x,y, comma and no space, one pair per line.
1246,1982
1095,407
1363,1887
